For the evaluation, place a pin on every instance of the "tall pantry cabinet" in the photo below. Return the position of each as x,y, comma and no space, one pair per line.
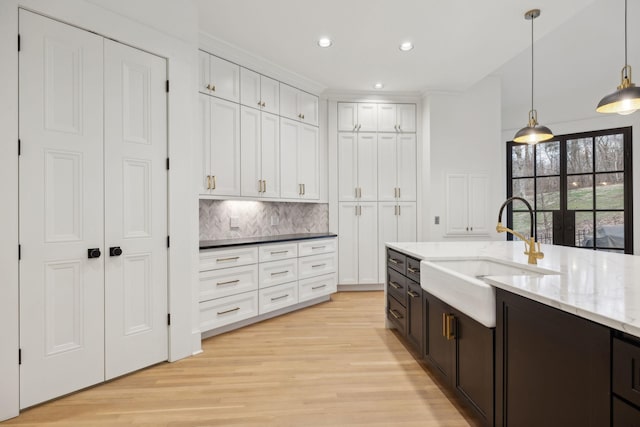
376,186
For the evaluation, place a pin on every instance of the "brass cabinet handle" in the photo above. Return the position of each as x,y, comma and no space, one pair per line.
359,126
359,192
264,104
228,311
356,191
413,294
394,285
395,314
208,182
413,270
395,127
233,258
213,88
280,297
448,326
399,195
213,180
278,252
400,128
259,186
355,127
394,261
299,116
399,210
317,247
280,272
319,287
395,209
318,265
229,282
303,117
264,183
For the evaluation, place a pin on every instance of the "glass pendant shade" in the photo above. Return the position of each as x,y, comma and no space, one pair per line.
533,132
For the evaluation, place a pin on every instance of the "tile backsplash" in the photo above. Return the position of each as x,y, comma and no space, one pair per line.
251,218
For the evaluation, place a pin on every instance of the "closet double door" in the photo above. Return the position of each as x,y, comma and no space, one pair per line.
93,209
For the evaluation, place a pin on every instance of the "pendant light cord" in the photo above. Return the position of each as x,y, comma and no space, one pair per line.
625,38
532,19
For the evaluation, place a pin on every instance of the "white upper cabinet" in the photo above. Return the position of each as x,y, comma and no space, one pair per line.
298,105
258,91
260,153
397,174
299,172
467,196
357,117
396,117
218,77
357,166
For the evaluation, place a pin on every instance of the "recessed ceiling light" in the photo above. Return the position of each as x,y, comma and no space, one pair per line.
378,85
325,42
406,46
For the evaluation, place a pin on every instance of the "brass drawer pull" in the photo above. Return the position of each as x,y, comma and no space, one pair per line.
395,261
413,270
229,282
280,297
448,326
394,285
278,252
228,311
318,287
395,314
319,265
233,258
413,294
313,248
280,272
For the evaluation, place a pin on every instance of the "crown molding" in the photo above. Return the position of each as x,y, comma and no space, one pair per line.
370,96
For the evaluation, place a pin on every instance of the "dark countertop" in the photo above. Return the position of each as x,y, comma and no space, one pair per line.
242,241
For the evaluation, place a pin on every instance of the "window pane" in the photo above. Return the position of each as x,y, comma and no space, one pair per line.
609,153
521,223
584,229
580,192
544,222
548,158
610,191
521,160
580,155
610,230
548,193
523,187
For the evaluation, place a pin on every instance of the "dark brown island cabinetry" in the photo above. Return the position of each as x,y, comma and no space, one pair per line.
625,380
552,368
461,350
404,298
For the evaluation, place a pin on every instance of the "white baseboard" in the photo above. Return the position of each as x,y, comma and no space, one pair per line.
368,287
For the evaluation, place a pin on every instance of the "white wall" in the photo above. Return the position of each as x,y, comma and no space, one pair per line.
183,203
462,133
575,66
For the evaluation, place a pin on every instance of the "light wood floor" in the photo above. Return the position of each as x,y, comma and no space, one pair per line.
333,364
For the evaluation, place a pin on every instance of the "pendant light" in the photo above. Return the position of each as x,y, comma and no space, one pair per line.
626,99
533,132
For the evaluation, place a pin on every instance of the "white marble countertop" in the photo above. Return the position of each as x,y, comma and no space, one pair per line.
600,286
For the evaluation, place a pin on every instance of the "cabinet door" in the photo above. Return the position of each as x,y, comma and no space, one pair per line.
250,84
387,167
367,117
387,118
347,116
308,168
225,147
406,161
440,350
348,243
250,136
387,232
478,207
204,165
406,117
270,95
367,167
415,319
289,102
225,77
347,166
407,222
457,197
204,74
270,154
308,105
289,134
368,243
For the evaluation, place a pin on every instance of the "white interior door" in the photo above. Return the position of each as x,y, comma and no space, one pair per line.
135,209
61,209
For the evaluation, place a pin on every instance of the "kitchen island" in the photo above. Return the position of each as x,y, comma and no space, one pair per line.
566,347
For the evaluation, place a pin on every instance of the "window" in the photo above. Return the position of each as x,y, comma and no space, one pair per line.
579,186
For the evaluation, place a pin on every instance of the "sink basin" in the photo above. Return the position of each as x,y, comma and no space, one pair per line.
460,283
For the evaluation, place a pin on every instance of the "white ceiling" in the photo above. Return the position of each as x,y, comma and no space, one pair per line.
457,42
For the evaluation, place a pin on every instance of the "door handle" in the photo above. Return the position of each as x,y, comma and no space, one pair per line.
94,253
115,251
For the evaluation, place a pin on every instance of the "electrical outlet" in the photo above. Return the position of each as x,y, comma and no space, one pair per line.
275,220
234,222
437,220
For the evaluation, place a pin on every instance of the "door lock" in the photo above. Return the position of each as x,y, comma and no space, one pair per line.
94,253
115,251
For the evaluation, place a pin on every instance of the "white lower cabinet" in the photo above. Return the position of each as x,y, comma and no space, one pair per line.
358,243
397,222
243,283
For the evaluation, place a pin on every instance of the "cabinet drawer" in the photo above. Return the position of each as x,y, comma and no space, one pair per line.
397,286
413,269
319,246
277,272
277,252
224,258
397,313
397,261
626,370
316,265
224,311
277,297
228,281
625,415
317,287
